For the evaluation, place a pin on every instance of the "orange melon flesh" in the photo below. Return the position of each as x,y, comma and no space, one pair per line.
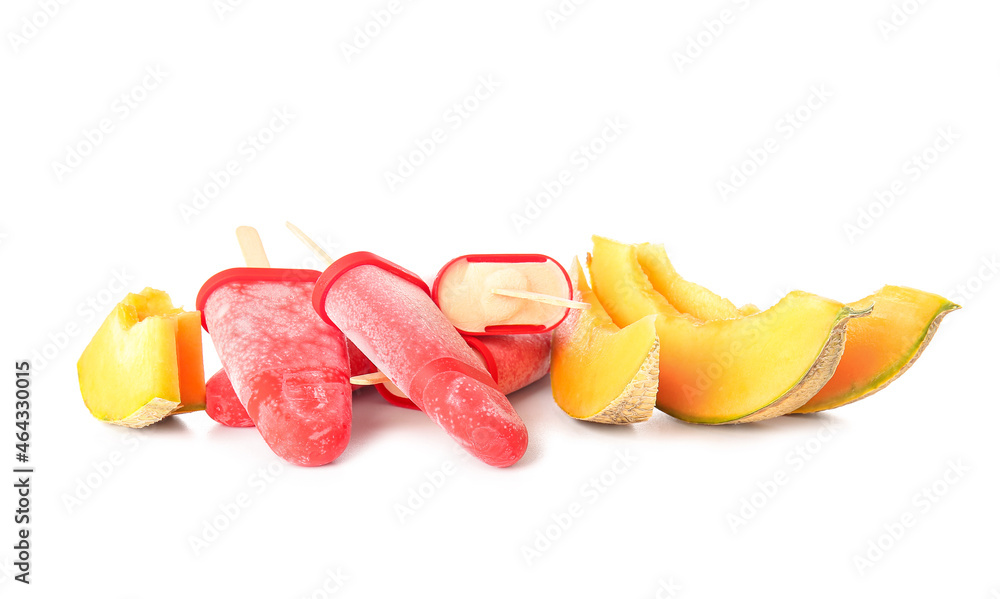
600,372
190,362
687,297
726,371
883,346
879,348
144,363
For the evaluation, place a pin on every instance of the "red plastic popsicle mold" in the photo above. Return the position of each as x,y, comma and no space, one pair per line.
245,274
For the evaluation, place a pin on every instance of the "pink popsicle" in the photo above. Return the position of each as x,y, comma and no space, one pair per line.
289,369
520,359
222,405
388,313
515,361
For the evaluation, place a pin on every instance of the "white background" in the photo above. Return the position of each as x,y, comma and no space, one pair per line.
664,521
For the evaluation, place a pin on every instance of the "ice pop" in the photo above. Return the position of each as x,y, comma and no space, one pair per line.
289,369
514,361
221,403
224,407
520,359
493,294
388,313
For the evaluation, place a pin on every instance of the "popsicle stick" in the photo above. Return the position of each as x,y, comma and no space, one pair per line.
542,298
375,378
312,245
252,248
525,295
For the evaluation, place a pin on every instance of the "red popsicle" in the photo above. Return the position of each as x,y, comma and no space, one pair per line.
289,369
520,359
224,407
387,312
221,403
514,361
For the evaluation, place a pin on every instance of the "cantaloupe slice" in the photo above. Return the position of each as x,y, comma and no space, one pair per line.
878,349
144,363
600,372
883,346
687,297
726,371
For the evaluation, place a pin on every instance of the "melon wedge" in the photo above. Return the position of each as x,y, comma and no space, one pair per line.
726,371
602,373
687,297
883,346
144,363
878,349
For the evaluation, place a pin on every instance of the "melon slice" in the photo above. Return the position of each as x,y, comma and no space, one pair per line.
144,363
600,372
883,346
878,349
687,297
726,371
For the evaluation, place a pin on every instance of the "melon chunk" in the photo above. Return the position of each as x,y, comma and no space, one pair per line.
726,371
883,346
144,363
600,372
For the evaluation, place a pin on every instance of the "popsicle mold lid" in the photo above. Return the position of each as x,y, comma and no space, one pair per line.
346,263
476,343
507,329
246,274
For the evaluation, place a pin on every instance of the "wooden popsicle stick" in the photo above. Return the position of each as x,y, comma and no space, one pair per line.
525,295
252,248
542,298
312,245
375,378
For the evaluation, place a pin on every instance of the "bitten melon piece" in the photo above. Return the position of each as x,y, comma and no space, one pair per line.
600,372
726,371
883,346
144,363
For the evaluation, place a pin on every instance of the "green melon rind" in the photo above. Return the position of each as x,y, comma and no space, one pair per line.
891,374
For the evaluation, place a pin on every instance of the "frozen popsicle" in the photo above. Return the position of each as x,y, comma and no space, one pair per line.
514,361
388,313
221,403
224,407
289,369
520,359
495,294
